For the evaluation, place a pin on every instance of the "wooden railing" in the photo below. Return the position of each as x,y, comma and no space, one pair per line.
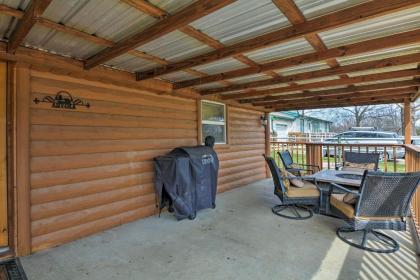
412,159
330,155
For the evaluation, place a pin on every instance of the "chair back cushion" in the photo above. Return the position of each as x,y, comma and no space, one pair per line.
295,181
350,198
386,194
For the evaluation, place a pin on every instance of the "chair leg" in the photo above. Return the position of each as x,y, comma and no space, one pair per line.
299,212
385,240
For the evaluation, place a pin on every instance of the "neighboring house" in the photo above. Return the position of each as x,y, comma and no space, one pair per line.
284,123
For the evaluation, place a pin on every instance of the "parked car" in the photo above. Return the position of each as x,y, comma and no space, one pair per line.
369,137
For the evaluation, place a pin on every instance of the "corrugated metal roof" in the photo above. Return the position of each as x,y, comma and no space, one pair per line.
303,68
110,19
321,79
175,46
327,88
58,42
219,66
241,20
381,54
178,76
284,50
383,70
250,78
131,63
209,86
390,24
315,8
8,23
172,6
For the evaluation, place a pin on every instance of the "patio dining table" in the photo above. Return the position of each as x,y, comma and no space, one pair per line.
324,178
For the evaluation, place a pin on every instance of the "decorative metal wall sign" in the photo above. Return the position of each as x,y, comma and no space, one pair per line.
62,100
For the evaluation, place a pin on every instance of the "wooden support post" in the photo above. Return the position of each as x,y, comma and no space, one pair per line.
4,226
199,127
407,121
23,210
267,142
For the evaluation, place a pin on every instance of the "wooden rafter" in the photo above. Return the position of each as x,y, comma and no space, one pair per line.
329,83
396,40
374,64
352,89
165,26
346,16
35,9
6,10
339,97
345,103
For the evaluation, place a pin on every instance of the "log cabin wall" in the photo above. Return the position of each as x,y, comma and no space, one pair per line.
91,168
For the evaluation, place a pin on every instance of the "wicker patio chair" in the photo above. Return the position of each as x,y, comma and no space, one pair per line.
292,198
296,168
382,202
359,161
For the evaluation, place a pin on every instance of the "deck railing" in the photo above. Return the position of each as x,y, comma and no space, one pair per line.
412,158
330,155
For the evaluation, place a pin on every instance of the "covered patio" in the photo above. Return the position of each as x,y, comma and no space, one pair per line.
240,239
91,91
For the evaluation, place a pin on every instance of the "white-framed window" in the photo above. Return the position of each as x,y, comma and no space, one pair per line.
213,121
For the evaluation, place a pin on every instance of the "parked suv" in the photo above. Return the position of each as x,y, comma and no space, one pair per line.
376,138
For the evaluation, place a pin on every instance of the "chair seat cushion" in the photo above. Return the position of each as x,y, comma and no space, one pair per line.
308,190
350,198
336,200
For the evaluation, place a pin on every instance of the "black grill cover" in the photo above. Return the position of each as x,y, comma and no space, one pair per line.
186,180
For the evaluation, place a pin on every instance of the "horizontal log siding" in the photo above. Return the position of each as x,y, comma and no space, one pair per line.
92,169
241,161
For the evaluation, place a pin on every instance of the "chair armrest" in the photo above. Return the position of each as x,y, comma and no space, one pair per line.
337,186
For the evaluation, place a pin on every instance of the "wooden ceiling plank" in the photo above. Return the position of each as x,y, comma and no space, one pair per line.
35,9
170,23
329,83
375,64
396,40
350,15
363,88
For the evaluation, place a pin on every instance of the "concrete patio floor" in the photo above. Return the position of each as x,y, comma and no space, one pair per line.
240,239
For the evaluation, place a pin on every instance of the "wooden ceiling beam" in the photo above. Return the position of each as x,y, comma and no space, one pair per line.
342,104
329,83
375,64
350,15
34,9
339,97
396,40
165,26
352,89
290,10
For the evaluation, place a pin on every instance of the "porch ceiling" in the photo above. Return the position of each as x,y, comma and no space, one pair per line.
274,55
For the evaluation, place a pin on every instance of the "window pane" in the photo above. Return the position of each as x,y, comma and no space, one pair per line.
217,131
213,112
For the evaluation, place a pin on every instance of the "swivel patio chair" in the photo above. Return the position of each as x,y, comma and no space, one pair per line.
359,161
296,168
293,198
382,202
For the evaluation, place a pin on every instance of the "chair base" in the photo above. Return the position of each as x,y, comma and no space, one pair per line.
384,240
300,212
